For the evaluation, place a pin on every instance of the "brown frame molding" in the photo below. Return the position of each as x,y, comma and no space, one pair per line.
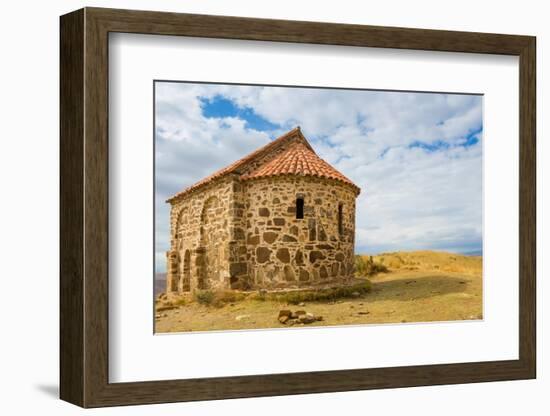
84,207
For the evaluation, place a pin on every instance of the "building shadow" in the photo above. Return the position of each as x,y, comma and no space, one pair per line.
418,287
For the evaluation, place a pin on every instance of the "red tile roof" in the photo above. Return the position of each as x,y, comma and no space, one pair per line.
298,158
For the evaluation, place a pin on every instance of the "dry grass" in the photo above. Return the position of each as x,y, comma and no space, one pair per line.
430,261
418,287
218,298
367,266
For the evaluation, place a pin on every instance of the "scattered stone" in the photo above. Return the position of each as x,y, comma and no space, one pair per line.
301,304
363,312
242,317
300,317
308,318
355,294
297,314
285,313
158,316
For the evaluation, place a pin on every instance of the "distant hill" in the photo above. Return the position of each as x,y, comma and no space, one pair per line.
160,283
474,253
430,260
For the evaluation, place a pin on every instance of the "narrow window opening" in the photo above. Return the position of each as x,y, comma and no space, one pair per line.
299,208
340,219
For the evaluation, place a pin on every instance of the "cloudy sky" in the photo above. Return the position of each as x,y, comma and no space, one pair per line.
416,156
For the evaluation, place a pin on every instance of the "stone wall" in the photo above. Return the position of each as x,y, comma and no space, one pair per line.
245,235
283,250
200,233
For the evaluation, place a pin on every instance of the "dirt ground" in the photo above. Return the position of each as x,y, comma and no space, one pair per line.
405,294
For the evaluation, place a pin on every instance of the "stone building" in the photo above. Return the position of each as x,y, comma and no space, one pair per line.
279,217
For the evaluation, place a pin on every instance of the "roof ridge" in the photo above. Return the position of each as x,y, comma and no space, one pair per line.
298,159
232,168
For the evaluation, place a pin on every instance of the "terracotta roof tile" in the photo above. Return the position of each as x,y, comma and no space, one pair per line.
298,159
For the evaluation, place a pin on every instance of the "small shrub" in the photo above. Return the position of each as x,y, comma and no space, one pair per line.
204,297
368,267
261,295
227,296
180,302
361,266
218,298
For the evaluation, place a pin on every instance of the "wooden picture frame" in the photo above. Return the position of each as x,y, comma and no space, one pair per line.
84,207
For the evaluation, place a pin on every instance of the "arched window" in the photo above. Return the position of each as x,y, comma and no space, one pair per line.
340,219
299,208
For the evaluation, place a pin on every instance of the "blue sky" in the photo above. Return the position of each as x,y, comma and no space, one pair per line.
416,156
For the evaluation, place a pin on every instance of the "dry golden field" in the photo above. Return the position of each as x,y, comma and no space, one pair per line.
420,286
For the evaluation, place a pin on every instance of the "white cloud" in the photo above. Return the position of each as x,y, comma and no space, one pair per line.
411,197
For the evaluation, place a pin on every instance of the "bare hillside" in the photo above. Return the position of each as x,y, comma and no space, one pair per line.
430,261
420,286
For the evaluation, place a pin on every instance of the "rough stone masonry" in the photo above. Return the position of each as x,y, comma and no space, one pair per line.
281,217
